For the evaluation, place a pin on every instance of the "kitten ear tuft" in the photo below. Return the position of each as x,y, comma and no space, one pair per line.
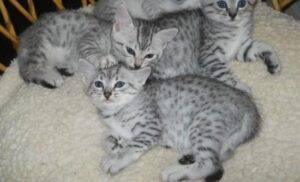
122,18
86,70
164,36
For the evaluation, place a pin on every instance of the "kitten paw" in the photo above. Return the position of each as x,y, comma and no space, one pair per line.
108,61
243,87
102,62
174,174
271,61
112,164
226,153
112,145
51,79
65,72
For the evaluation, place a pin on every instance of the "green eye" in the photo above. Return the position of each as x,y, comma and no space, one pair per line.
130,51
98,84
119,84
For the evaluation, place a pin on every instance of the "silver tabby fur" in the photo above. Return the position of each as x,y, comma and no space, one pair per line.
51,48
208,39
201,118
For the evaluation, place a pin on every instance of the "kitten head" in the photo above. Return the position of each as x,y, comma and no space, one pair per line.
228,10
138,45
113,87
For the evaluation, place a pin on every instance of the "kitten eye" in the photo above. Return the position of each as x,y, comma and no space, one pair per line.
149,56
222,4
242,3
119,84
98,84
130,51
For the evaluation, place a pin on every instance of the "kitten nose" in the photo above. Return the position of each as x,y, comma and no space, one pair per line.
136,66
232,15
107,95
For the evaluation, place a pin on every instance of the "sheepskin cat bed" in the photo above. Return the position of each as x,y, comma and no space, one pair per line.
55,135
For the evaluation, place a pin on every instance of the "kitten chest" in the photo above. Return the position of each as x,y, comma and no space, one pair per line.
118,127
232,45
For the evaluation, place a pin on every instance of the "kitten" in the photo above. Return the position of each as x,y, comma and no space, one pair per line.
200,47
201,118
50,49
178,56
47,49
227,32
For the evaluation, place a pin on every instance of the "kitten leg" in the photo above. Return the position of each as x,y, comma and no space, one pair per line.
133,150
250,127
68,66
113,144
101,61
213,67
206,142
252,49
206,165
36,70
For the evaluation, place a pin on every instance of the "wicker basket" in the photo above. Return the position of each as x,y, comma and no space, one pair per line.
8,30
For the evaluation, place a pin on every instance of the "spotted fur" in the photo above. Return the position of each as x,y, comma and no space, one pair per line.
202,119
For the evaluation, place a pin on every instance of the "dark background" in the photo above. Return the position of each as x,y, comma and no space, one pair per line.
7,52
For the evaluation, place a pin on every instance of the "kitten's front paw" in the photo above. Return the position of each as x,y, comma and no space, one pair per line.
51,79
102,61
174,174
272,62
112,145
243,87
112,164
107,61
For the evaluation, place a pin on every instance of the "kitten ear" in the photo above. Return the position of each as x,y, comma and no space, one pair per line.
122,18
162,37
139,77
143,74
86,70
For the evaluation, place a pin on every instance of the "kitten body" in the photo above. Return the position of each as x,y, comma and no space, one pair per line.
50,48
202,119
227,31
179,56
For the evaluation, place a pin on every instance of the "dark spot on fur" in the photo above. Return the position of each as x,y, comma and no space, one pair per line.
187,159
216,176
64,72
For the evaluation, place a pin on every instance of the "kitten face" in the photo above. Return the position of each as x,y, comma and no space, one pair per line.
228,10
141,45
116,86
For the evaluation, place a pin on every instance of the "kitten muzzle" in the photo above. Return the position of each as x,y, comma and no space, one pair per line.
107,95
232,14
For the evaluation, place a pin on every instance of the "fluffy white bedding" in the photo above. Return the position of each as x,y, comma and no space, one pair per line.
55,135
